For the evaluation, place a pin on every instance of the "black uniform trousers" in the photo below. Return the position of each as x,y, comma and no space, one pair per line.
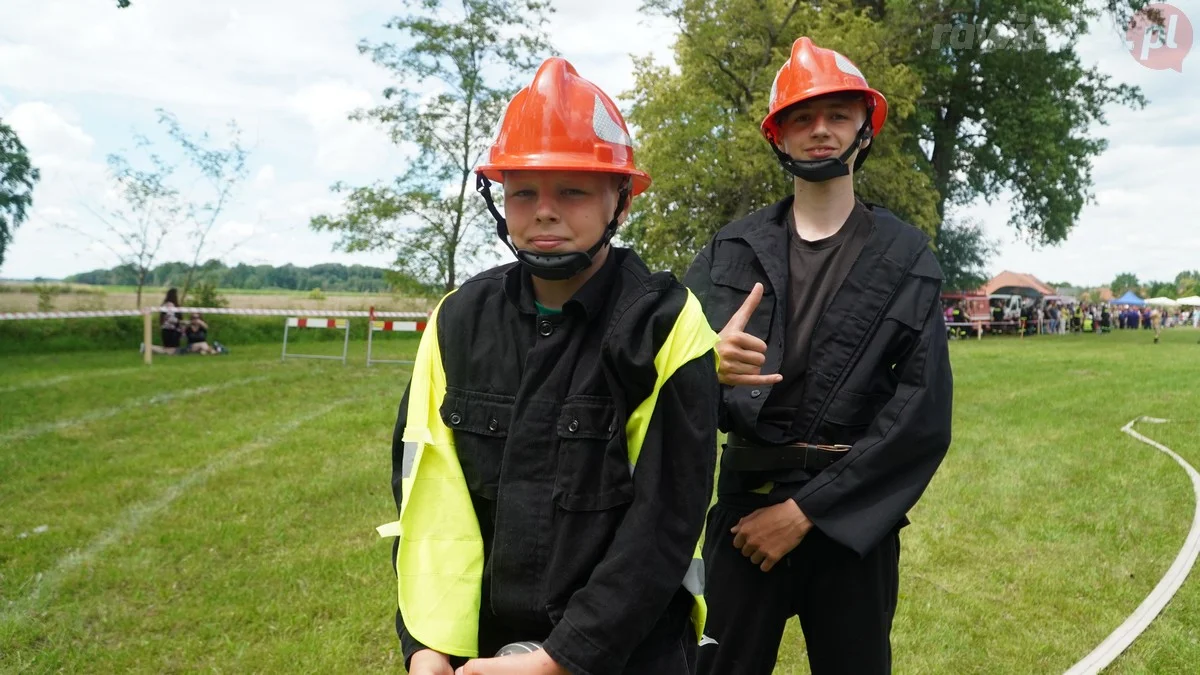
845,603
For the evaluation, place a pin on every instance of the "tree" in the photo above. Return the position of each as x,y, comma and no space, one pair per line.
461,51
963,251
1161,289
223,169
1187,283
17,178
1002,109
1125,281
698,126
149,211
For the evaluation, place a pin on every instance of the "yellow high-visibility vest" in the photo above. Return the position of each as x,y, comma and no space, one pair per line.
439,561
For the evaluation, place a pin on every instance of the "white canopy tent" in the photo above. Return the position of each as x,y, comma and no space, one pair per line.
1162,302
1190,301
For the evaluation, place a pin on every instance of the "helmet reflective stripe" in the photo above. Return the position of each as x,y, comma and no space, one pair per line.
845,66
606,127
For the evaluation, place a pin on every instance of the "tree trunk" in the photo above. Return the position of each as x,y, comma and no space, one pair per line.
460,206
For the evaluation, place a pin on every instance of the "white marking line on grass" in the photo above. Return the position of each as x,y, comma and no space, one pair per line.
25,433
52,381
132,519
1154,603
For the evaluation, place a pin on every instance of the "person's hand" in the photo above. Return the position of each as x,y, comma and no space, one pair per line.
429,662
534,663
742,355
770,533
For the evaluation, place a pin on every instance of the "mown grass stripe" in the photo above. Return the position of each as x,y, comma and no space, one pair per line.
33,430
46,583
62,379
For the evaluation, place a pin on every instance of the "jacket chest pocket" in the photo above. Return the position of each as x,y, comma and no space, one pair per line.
593,464
480,424
731,284
849,415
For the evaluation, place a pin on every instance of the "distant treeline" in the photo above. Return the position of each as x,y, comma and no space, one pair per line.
327,277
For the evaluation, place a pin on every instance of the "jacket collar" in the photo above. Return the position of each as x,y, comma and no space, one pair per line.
589,300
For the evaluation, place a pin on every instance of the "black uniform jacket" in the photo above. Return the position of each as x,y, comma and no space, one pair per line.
578,552
878,379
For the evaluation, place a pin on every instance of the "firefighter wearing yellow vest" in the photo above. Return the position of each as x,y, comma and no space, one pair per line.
554,452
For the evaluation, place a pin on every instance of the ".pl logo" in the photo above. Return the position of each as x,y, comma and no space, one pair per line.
1160,47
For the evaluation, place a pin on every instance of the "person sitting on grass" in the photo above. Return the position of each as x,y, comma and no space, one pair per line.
197,338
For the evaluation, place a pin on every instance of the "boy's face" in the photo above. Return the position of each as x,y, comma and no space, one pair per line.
823,127
559,211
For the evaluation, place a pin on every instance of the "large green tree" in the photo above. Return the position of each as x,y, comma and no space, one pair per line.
987,98
467,53
698,124
1008,108
17,178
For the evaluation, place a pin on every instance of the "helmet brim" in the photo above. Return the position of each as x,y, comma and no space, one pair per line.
494,171
878,104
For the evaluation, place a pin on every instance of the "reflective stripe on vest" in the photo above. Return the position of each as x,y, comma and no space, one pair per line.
690,338
441,549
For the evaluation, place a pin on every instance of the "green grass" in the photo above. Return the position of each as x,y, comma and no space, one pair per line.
217,513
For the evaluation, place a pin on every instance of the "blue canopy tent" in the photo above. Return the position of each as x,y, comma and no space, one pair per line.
1130,298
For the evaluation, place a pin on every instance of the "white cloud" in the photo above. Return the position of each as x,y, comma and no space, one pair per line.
342,145
265,176
48,134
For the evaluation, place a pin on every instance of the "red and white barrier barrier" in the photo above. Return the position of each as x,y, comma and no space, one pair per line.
333,319
398,326
316,322
390,327
14,316
306,322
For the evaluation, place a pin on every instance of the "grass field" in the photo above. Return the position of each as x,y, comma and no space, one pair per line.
217,514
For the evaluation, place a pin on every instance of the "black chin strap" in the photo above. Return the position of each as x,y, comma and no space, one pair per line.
552,266
821,170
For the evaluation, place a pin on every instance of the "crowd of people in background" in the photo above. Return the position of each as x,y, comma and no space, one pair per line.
1062,318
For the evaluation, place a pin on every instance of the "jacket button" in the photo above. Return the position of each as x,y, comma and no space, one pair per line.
573,426
455,418
493,425
545,328
755,394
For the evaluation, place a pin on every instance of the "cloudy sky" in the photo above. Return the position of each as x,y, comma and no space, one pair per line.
78,78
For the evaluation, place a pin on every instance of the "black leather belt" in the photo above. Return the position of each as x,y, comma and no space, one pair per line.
743,455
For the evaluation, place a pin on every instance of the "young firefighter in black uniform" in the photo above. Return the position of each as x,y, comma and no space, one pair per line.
838,395
555,450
